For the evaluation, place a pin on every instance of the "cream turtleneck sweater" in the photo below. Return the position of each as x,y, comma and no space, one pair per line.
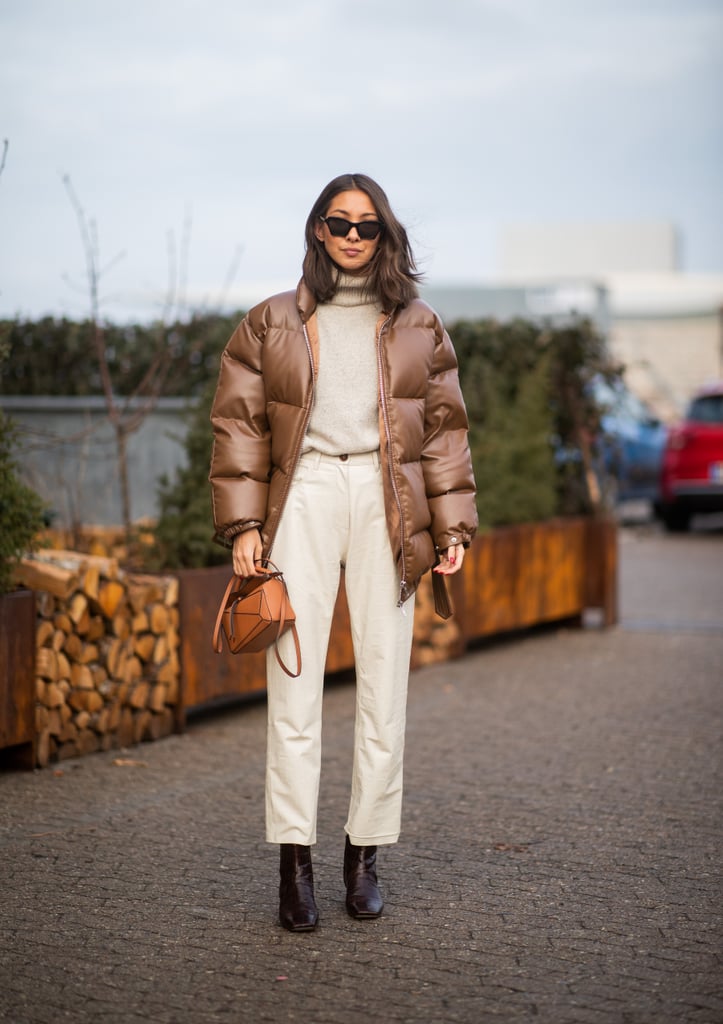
344,417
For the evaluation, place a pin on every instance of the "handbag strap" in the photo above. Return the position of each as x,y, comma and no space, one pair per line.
282,623
441,598
288,671
217,645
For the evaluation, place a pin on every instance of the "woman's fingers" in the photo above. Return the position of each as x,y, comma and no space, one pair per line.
450,561
247,549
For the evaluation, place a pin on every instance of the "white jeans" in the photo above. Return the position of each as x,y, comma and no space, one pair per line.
334,516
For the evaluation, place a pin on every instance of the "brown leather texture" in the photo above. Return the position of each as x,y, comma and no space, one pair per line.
254,612
261,409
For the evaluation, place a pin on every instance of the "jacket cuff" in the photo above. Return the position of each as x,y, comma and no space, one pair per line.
446,540
226,536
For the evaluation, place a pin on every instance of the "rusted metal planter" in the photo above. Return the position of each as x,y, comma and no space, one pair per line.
17,679
514,578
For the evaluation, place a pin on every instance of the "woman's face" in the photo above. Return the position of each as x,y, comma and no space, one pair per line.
350,252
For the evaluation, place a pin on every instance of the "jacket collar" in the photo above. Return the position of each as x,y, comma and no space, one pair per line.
305,301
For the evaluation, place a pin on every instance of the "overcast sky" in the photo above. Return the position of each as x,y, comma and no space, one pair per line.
231,115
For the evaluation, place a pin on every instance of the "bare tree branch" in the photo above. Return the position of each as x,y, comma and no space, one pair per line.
128,414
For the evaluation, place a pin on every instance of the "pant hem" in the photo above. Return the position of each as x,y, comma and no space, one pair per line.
293,840
388,840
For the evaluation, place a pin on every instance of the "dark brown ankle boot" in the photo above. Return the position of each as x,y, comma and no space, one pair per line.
297,906
363,899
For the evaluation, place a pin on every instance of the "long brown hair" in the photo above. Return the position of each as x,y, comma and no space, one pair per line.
392,272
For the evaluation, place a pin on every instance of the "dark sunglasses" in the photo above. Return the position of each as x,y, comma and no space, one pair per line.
340,228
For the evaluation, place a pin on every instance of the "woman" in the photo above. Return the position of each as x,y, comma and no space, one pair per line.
340,441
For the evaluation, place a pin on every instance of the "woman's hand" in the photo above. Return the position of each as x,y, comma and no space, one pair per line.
247,549
450,561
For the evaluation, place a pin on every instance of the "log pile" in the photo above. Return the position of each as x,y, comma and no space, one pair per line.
107,664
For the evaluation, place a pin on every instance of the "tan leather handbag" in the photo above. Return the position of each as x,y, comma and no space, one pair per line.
255,611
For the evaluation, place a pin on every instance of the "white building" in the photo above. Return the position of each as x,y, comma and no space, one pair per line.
665,325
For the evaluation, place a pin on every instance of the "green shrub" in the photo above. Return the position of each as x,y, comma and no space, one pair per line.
513,459
21,509
184,530
531,412
56,356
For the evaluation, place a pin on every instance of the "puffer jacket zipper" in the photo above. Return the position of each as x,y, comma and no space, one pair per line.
390,450
297,448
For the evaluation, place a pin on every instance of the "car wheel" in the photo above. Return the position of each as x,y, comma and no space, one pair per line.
675,520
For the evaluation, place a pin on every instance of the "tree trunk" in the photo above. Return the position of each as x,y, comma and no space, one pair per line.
122,447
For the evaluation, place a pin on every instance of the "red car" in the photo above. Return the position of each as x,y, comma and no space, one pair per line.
692,476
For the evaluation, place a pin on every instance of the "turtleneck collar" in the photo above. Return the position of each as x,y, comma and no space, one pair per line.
356,296
352,291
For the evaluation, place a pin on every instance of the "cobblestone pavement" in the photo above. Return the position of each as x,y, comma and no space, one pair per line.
559,862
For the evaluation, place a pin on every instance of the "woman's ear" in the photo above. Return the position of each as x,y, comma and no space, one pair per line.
319,231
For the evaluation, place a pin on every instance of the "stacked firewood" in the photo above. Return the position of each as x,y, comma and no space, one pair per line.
107,665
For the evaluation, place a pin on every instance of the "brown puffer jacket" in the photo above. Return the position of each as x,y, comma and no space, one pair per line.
262,407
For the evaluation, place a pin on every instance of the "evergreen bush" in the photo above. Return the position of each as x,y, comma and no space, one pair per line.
56,356
513,459
21,509
531,411
184,530
22,513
